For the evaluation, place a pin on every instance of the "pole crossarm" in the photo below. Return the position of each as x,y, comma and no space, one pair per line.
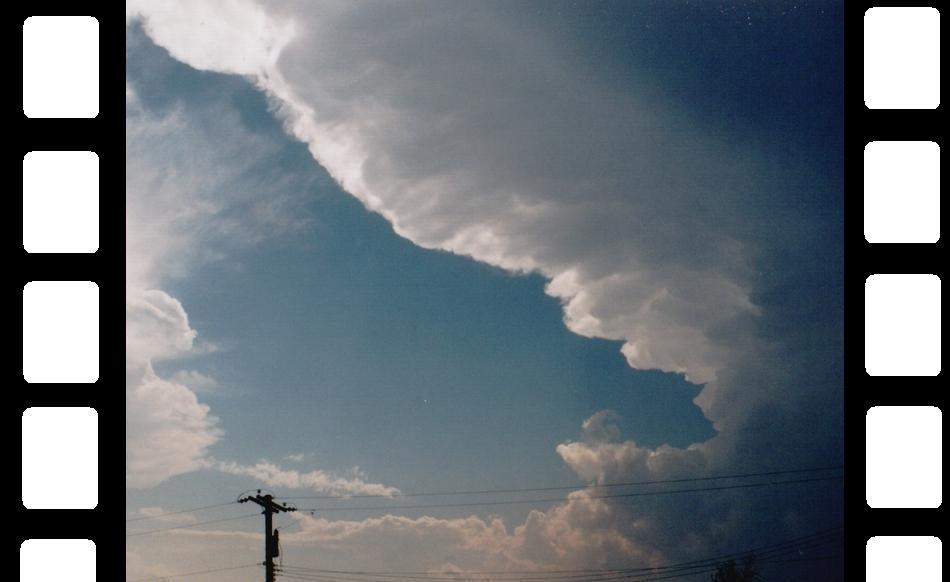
267,502
270,507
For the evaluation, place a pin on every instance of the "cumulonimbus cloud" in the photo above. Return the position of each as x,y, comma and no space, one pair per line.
478,140
475,135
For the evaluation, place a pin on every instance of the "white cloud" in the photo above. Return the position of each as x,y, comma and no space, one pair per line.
168,431
403,543
156,326
195,380
317,480
138,566
579,533
182,211
174,552
193,191
601,457
446,136
197,31
159,515
473,135
642,225
582,532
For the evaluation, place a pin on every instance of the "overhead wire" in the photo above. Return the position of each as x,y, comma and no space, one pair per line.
561,499
766,554
325,578
649,576
508,501
166,513
492,491
567,488
189,525
796,541
643,577
186,574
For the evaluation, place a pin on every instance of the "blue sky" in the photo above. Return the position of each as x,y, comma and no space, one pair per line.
391,342
672,211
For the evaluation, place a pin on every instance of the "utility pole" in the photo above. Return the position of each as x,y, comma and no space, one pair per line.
270,537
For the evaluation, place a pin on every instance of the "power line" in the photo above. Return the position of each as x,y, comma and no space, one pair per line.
163,514
565,488
806,541
325,578
656,575
811,559
560,499
513,490
185,574
502,502
767,554
459,578
152,531
796,541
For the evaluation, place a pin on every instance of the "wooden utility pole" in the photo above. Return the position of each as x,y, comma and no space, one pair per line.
270,538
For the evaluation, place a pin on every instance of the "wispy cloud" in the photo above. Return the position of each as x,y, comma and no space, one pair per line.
184,188
273,475
160,515
198,382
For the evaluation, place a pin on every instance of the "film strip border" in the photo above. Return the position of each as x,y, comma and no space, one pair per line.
103,134
894,267
69,257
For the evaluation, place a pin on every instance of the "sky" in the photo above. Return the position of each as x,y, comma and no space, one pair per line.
382,248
